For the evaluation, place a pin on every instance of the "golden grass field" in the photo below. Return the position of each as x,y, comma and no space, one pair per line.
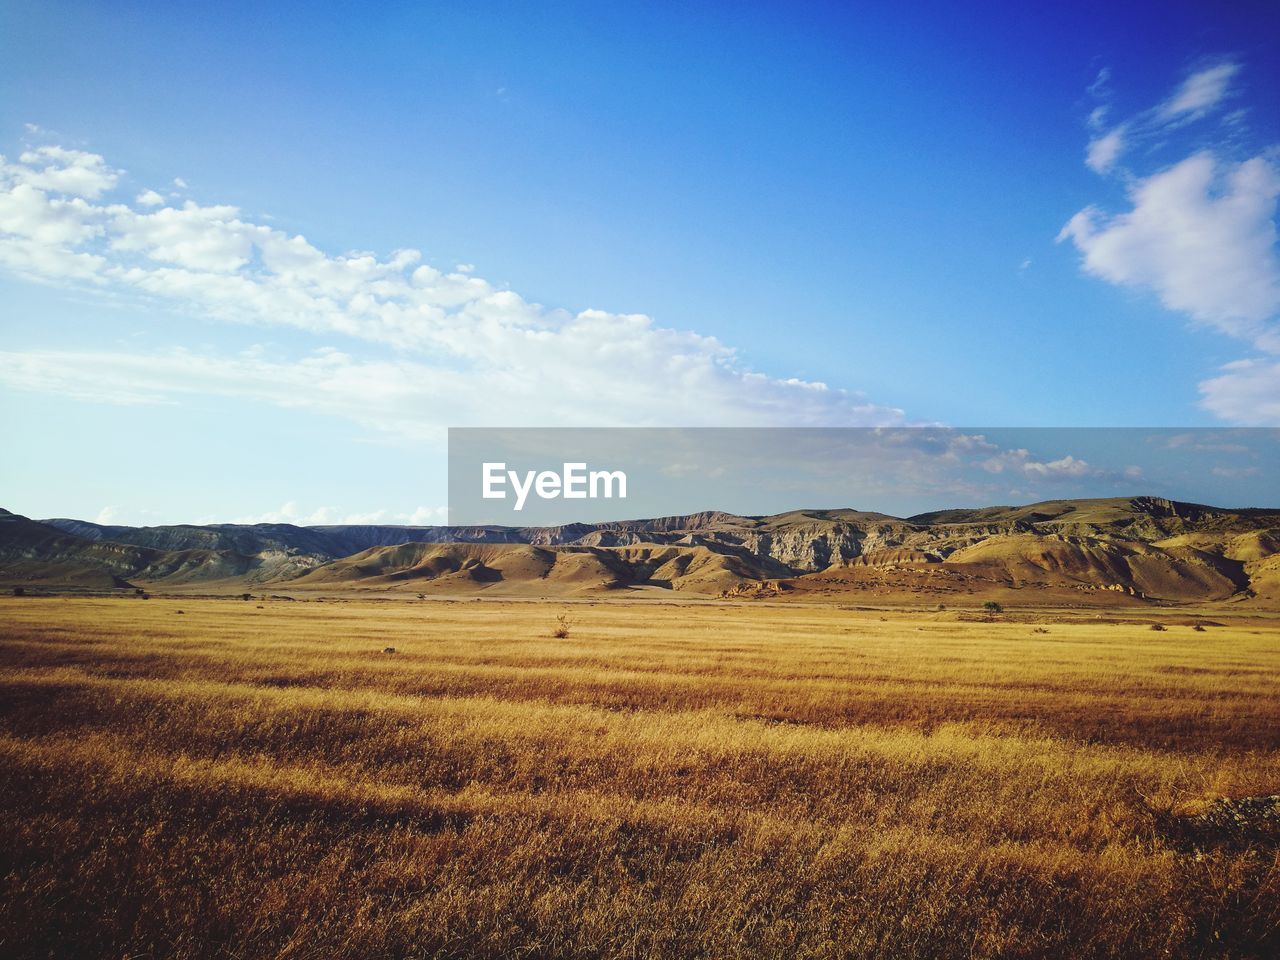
668,781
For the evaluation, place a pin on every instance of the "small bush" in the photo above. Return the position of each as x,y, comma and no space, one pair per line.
563,625
1040,630
1157,626
942,606
388,649
992,607
1198,627
246,596
19,592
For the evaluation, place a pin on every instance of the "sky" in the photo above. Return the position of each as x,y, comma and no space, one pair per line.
254,263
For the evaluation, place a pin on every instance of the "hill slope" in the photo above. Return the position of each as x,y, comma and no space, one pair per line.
1141,547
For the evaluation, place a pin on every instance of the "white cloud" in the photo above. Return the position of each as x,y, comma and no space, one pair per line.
1101,83
1217,442
149,198
1021,460
1200,92
415,400
423,516
1236,472
469,352
1198,96
1247,392
71,172
108,515
29,214
211,239
1104,151
1201,235
1067,466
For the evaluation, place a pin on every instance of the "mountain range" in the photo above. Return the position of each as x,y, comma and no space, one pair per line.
1086,552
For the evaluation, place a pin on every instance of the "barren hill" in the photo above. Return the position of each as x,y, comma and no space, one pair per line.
1136,549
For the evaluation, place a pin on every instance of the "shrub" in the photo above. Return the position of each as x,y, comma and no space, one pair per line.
992,607
1157,626
563,625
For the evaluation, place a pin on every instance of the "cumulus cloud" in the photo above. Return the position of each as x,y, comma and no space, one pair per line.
208,239
71,172
468,351
1067,466
1022,461
1200,235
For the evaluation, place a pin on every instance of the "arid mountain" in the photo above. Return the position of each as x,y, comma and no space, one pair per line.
1142,548
40,553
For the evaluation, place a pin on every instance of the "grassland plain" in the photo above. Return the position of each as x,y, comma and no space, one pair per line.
191,778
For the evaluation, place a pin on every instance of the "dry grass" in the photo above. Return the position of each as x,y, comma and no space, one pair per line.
668,781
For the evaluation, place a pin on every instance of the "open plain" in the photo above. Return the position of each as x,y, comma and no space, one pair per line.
335,777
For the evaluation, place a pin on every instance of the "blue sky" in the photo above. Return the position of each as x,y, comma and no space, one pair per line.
623,215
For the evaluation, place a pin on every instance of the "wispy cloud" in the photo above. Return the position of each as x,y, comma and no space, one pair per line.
465,351
1247,391
414,400
1105,150
1236,472
1201,92
323,516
